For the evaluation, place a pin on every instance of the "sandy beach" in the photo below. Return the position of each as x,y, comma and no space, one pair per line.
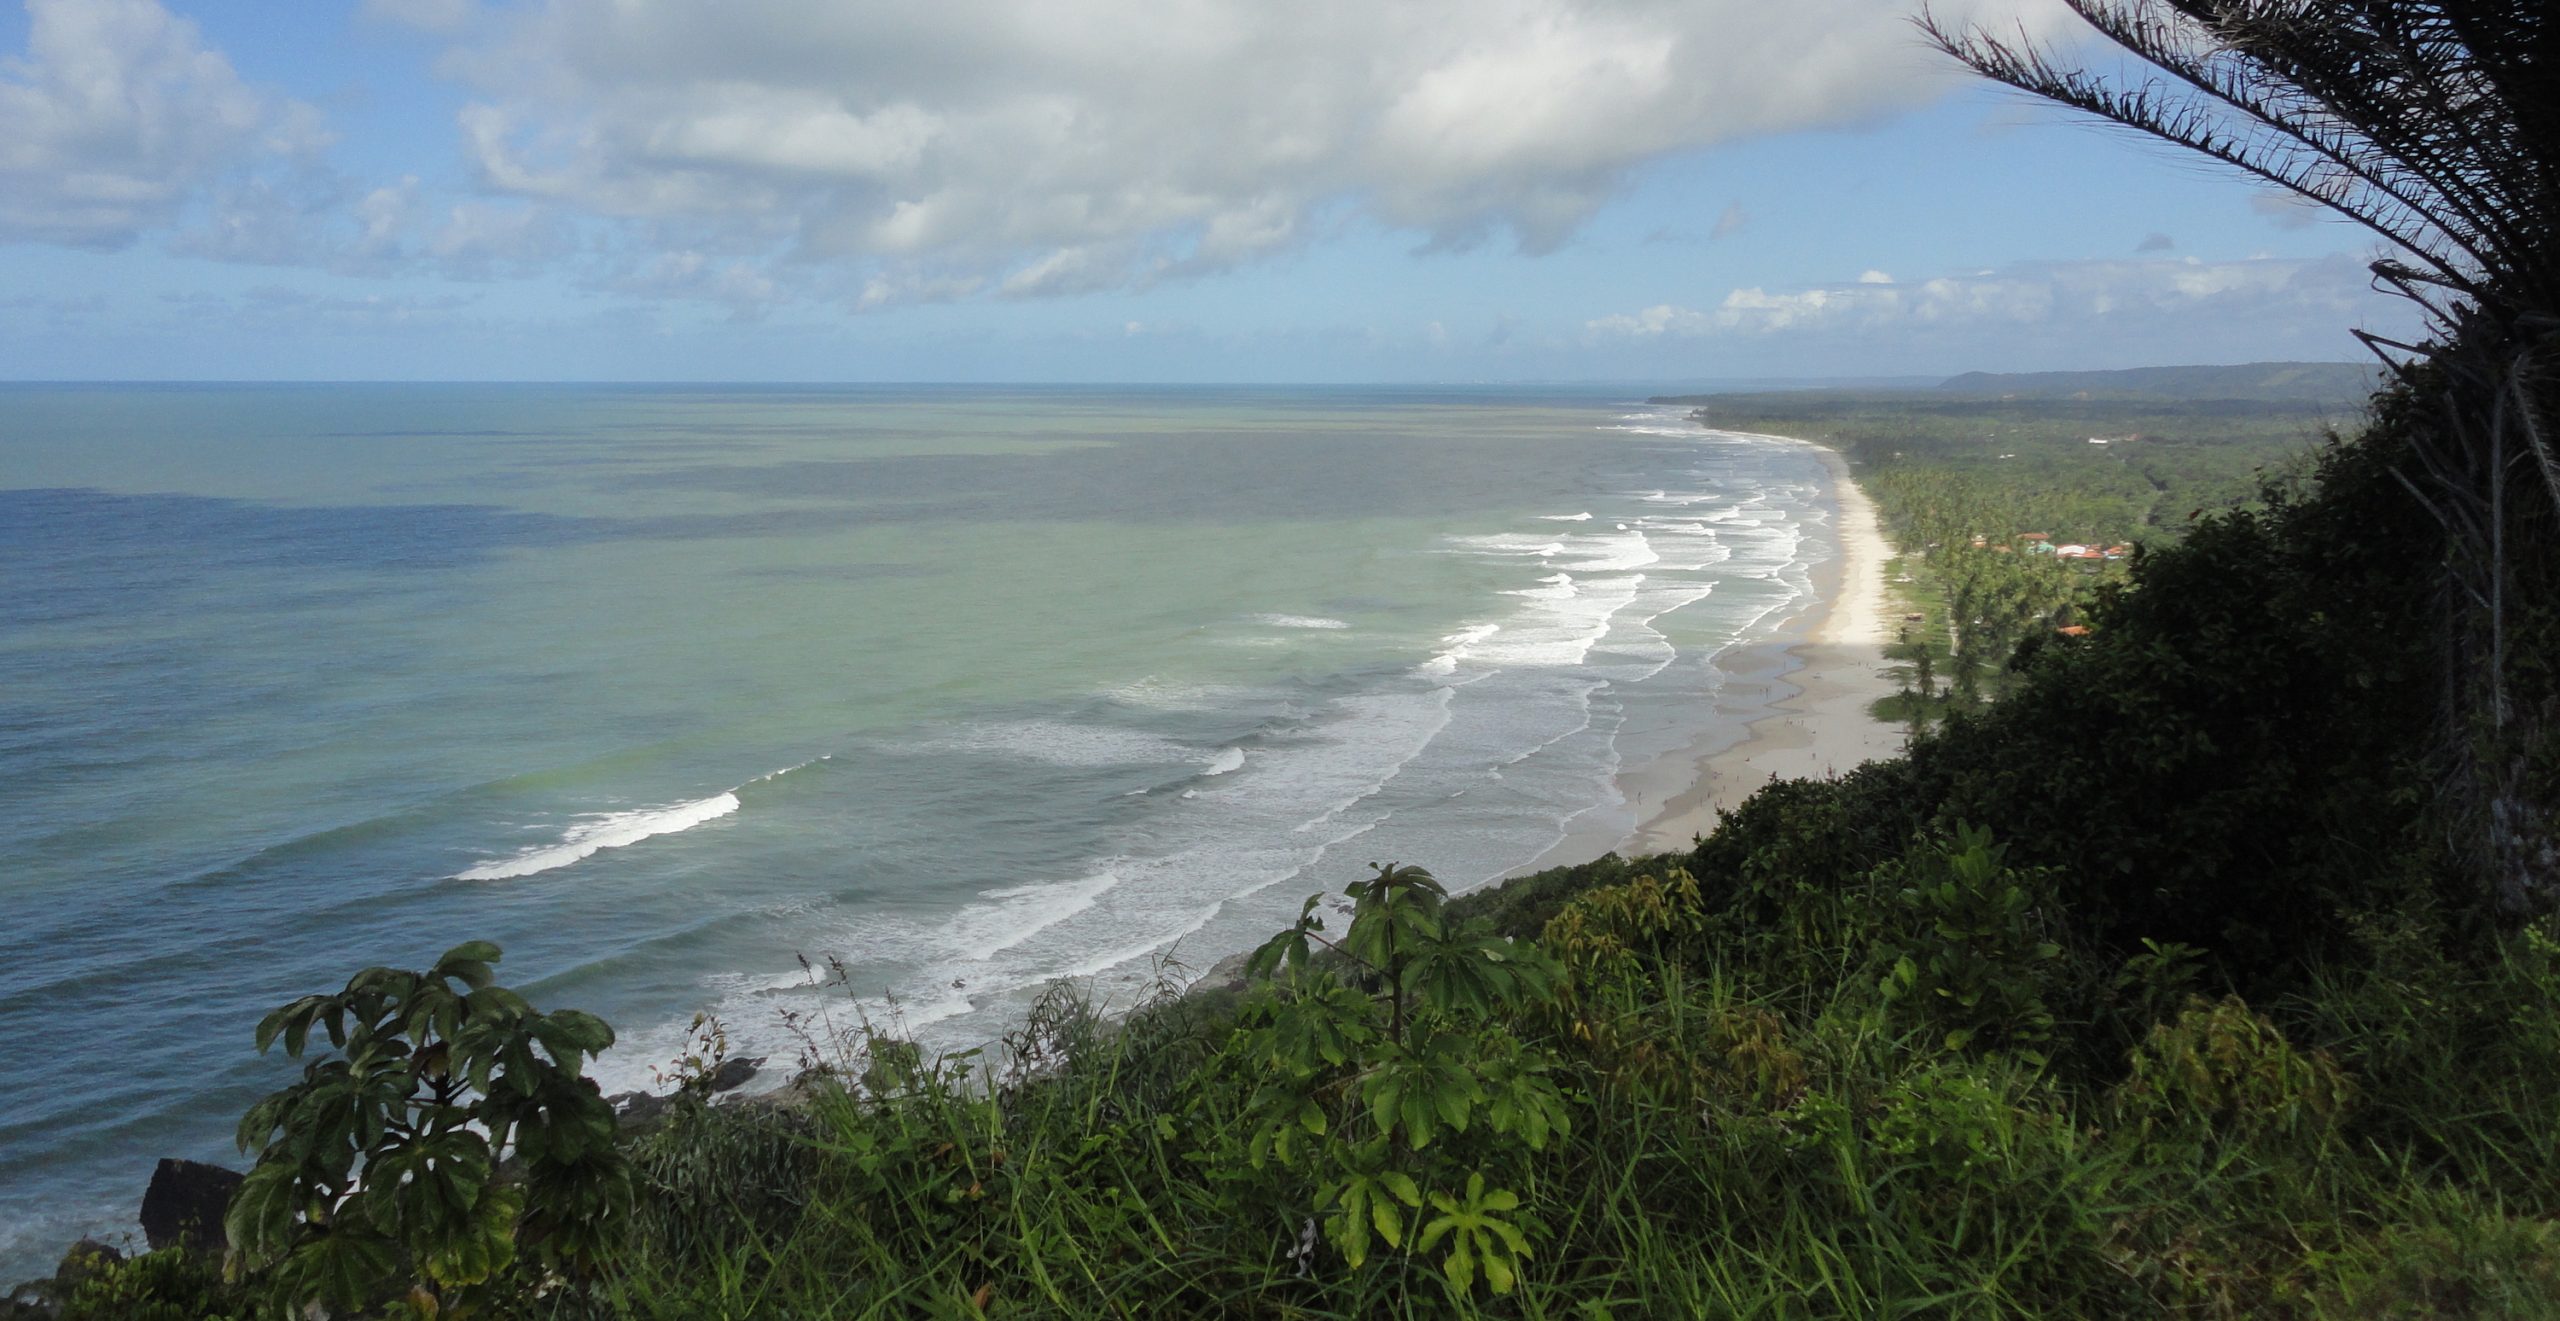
1816,680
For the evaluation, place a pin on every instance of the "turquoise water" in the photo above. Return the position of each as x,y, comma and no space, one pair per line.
667,689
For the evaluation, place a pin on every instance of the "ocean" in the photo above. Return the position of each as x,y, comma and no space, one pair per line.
668,690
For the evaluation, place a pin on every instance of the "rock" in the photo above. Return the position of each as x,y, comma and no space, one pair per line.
184,1205
1226,974
638,1111
734,1074
30,1301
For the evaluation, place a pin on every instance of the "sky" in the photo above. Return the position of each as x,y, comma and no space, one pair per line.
1452,191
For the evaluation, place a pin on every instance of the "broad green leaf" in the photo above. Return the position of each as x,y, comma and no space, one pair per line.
346,1267
1389,1221
1461,1265
470,951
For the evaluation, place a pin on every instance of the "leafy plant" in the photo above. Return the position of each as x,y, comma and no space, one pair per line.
1977,969
1381,1051
172,1284
1478,1233
381,1166
2223,1068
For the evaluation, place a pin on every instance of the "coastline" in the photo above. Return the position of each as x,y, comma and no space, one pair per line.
1813,685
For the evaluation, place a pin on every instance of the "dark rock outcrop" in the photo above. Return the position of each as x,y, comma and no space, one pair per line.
185,1203
734,1074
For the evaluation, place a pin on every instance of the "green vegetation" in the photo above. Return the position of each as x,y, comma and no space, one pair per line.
379,1169
2212,971
1962,472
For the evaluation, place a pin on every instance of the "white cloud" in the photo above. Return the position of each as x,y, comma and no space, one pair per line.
746,291
1660,319
479,238
1874,277
1056,146
116,114
281,310
2143,308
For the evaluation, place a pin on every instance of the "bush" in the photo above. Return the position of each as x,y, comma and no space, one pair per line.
172,1284
379,1168
2223,1071
1975,962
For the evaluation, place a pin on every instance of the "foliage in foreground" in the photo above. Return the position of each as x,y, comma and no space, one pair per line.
1723,1144
381,1168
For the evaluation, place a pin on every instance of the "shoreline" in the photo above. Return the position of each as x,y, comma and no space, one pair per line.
1812,684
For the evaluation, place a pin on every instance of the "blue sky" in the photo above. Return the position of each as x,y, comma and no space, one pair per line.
1103,190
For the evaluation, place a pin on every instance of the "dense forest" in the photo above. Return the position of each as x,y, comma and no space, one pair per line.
2209,971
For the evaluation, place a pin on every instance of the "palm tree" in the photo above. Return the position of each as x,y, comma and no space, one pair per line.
2435,126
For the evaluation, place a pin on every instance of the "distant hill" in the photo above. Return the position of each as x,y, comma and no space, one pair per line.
2341,383
2335,385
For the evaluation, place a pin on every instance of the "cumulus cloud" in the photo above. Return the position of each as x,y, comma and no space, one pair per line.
116,114
1653,322
1044,147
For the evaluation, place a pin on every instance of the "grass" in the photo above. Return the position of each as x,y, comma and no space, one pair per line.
1738,1149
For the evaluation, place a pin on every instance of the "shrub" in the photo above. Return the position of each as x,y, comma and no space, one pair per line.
2446,1257
2222,1070
1381,1062
172,1284
381,1166
1975,962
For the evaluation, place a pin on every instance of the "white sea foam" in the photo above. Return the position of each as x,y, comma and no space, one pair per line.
1016,913
1583,517
1508,543
605,830
1230,760
598,831
1064,743
1555,587
1300,621
1454,648
1610,553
